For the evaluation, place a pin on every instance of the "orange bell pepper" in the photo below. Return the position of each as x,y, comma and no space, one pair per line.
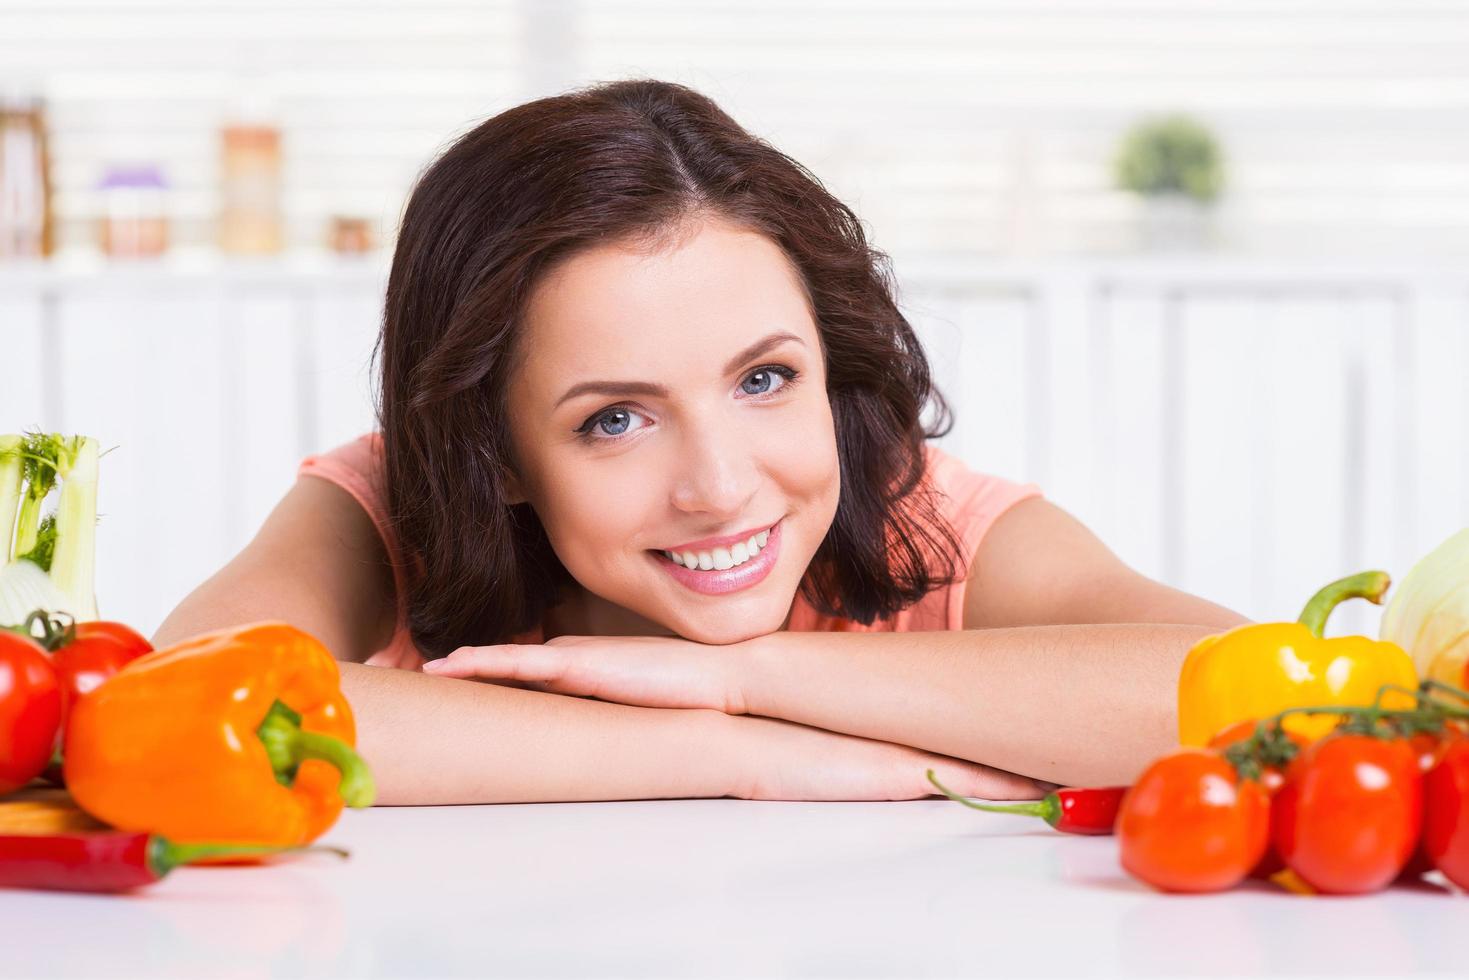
241,734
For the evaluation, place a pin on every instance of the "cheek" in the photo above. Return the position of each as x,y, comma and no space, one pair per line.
590,513
800,454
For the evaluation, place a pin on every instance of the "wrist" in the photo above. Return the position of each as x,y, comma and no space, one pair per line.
726,751
753,663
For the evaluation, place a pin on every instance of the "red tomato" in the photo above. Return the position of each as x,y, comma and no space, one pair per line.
1349,815
119,634
1271,777
1446,811
30,710
1426,747
1190,825
99,650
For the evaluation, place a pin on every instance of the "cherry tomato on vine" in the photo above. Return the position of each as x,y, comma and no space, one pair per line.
1426,747
1350,813
128,640
1190,824
1446,811
1271,778
99,650
30,710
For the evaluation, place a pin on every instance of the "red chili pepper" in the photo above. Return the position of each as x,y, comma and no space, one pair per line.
108,861
1072,811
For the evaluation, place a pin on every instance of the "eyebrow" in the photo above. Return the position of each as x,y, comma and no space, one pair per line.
618,389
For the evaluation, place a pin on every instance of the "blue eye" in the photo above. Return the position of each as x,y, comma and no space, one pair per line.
769,374
612,423
618,419
616,422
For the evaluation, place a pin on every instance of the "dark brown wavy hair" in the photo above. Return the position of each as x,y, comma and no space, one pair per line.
627,161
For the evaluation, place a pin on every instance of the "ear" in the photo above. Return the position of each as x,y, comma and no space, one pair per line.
514,492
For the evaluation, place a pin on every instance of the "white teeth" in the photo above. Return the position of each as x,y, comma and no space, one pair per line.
721,558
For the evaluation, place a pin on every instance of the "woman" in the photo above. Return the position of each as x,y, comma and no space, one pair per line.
651,439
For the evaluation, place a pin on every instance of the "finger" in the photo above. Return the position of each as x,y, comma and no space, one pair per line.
987,783
457,664
511,662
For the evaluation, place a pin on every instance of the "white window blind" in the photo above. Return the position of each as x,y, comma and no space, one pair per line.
966,128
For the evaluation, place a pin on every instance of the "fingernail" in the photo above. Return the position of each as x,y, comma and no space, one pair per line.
432,665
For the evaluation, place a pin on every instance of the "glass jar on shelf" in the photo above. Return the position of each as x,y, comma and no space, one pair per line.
250,219
350,235
27,226
134,219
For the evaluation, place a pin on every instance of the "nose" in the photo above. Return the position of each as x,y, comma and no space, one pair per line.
717,474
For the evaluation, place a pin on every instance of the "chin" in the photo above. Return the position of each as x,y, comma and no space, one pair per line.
730,628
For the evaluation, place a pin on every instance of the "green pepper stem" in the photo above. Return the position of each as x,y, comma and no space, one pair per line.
288,745
164,855
1429,684
1433,709
1048,809
356,786
54,633
1364,585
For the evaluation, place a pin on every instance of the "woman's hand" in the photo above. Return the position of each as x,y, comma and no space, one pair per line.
648,671
783,760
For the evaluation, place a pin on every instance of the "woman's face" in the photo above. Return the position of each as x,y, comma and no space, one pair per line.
676,402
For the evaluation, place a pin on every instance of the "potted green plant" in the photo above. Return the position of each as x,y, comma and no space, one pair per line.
1174,164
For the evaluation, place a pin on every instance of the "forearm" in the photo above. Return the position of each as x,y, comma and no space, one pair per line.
433,740
1076,704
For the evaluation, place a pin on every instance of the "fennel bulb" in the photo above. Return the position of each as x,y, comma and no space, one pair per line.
50,561
1428,615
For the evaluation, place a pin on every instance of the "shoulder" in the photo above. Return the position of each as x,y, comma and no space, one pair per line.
357,468
360,459
316,561
973,504
969,500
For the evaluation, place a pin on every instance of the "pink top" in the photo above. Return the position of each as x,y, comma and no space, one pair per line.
970,501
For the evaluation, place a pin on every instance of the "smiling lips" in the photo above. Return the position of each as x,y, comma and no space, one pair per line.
717,569
719,553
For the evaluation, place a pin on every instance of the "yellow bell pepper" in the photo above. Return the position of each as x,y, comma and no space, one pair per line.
1259,669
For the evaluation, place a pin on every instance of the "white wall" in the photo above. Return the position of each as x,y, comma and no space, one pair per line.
1248,432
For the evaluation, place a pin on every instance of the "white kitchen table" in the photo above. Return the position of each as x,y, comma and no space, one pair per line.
715,888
